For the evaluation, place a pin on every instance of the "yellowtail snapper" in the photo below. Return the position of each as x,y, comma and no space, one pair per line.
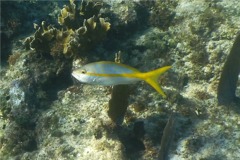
110,73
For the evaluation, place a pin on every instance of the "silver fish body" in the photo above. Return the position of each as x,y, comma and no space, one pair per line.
110,73
105,73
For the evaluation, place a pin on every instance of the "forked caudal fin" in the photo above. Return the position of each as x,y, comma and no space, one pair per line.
152,78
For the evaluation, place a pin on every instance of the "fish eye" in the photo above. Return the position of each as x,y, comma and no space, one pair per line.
83,71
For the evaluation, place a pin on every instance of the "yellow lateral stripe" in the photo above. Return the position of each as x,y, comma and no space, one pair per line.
127,75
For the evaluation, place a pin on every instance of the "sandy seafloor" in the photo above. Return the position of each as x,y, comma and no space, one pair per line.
75,124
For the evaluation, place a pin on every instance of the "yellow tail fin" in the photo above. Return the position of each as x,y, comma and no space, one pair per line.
152,78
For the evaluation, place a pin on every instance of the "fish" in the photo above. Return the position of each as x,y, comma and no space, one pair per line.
109,73
167,138
229,77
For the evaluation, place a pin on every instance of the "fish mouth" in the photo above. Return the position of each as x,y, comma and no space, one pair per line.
74,73
74,79
74,76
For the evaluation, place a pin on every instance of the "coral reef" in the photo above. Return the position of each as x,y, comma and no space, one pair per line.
44,116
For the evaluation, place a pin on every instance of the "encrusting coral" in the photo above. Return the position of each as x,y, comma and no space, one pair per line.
82,28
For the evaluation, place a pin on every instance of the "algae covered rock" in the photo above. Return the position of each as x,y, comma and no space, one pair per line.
126,18
162,13
16,141
23,102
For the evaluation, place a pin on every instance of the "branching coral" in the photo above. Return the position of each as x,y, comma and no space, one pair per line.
88,28
92,32
73,16
82,29
42,38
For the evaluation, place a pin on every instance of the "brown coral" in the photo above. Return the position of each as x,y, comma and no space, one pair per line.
73,16
82,29
41,39
92,32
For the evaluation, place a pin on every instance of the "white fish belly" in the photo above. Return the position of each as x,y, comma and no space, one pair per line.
109,81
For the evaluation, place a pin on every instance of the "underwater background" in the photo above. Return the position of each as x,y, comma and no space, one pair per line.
46,114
